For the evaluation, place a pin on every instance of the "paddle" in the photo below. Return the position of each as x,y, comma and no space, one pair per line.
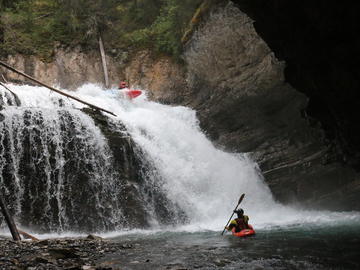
240,200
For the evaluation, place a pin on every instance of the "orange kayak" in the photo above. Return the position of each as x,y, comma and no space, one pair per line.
243,233
131,94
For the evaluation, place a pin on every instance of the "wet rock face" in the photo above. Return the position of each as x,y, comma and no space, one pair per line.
233,74
239,90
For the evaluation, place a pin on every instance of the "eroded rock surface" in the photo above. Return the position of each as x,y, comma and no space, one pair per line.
243,102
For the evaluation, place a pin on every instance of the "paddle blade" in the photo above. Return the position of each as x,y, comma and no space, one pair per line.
241,198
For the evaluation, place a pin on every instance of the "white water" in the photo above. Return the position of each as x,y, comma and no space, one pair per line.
49,134
204,181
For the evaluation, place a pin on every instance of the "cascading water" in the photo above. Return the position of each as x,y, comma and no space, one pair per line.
58,171
49,155
61,173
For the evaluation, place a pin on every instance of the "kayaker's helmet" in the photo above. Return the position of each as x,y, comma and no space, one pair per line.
239,212
122,85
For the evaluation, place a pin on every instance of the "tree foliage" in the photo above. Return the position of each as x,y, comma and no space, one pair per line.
37,26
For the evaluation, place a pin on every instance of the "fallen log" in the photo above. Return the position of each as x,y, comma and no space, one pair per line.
10,222
27,236
54,89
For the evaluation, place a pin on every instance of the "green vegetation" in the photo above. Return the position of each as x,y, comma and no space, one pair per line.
36,27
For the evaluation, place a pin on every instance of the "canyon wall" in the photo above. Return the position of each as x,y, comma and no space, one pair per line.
253,93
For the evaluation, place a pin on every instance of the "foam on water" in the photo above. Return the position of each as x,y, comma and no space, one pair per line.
204,181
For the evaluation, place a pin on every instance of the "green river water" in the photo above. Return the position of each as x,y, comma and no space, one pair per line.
292,247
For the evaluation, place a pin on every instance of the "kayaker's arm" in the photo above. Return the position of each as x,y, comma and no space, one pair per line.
231,225
246,221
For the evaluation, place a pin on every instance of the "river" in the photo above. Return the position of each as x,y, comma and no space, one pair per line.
290,247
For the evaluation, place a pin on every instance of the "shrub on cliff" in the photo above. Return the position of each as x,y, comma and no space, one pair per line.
33,27
171,24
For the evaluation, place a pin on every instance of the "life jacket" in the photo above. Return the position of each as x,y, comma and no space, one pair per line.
122,85
242,223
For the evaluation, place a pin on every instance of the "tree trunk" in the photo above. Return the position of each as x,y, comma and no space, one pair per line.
103,59
10,222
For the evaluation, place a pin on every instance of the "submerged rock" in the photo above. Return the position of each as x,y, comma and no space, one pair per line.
94,237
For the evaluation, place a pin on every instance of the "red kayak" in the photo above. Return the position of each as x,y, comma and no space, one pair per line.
131,94
243,233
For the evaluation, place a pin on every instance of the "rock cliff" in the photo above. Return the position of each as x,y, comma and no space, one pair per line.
70,68
239,89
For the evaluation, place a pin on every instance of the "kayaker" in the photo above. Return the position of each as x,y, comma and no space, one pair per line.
240,223
123,85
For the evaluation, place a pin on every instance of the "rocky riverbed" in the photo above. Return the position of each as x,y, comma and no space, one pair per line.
63,253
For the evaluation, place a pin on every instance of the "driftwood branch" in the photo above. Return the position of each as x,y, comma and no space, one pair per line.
7,88
54,89
10,222
4,79
17,100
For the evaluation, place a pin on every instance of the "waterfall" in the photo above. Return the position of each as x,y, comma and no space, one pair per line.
49,155
58,171
66,169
